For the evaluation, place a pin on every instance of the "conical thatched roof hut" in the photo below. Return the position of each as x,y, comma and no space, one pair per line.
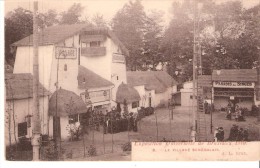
67,103
128,93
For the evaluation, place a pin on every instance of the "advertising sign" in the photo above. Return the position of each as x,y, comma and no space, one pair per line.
223,84
65,53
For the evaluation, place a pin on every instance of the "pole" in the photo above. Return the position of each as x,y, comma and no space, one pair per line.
211,109
193,132
36,114
156,126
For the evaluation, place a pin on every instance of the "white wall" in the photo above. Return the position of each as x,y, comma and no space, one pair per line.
101,65
22,108
67,79
185,97
24,62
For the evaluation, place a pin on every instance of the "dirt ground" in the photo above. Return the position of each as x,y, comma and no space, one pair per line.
152,128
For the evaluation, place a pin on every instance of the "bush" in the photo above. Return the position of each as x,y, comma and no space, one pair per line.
50,153
127,147
255,110
92,151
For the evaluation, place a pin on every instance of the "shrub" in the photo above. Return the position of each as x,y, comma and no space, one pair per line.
127,146
92,151
50,153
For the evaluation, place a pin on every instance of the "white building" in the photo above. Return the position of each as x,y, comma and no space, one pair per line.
154,87
80,59
19,107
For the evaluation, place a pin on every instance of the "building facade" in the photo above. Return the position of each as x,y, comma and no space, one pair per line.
81,59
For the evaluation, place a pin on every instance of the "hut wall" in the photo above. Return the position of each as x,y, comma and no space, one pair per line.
23,108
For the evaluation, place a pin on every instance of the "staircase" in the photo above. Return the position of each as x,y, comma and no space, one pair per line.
201,121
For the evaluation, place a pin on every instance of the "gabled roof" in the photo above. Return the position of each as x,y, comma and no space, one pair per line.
127,93
20,86
92,80
56,34
232,75
152,80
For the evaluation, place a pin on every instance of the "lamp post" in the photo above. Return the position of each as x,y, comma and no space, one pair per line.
211,109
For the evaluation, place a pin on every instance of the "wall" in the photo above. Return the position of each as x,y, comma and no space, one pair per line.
185,97
101,65
22,108
24,62
67,79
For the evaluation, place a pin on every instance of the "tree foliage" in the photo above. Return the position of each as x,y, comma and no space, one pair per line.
73,14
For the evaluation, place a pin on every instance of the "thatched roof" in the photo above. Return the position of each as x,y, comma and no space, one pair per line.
68,103
88,79
234,75
58,33
20,86
152,80
128,93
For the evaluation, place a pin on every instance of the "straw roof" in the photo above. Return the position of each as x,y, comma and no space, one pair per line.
128,93
88,79
20,86
54,35
68,103
152,80
234,75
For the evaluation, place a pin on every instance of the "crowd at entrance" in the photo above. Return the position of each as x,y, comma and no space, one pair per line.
236,110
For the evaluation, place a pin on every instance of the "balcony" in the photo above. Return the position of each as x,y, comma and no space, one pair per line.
93,51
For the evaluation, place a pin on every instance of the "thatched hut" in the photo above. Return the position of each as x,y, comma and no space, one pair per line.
127,95
64,108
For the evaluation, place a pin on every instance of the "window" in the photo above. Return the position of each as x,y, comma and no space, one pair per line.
117,77
135,104
73,118
22,129
94,44
65,67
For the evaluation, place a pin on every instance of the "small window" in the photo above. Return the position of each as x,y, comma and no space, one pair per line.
94,44
117,77
22,129
135,104
73,118
65,67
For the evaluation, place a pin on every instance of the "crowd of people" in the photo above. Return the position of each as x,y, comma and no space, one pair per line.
236,134
112,122
239,114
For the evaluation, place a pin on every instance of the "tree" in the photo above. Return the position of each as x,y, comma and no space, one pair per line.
18,24
73,14
99,21
153,33
177,43
128,24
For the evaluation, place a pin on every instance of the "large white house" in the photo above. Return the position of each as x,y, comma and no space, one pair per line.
75,61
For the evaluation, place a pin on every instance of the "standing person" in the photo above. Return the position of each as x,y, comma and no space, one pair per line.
245,133
206,107
221,134
216,134
240,134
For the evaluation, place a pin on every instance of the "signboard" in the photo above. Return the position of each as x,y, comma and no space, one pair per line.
118,58
65,53
96,96
223,84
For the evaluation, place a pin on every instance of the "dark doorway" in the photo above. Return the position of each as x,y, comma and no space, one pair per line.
150,102
56,127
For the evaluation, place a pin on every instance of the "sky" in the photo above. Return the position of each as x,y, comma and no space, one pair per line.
107,8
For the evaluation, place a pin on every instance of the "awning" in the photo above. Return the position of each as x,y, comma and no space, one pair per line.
66,103
128,93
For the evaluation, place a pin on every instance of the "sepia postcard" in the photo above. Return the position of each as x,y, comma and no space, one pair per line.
131,80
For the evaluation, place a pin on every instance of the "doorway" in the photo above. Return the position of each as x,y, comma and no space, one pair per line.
56,127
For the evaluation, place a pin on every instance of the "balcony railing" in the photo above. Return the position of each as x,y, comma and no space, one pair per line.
93,51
